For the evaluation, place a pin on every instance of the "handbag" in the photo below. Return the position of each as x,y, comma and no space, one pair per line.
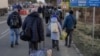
63,35
26,35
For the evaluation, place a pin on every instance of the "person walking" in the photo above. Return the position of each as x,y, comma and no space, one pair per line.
46,14
14,22
35,22
69,25
19,7
56,30
59,14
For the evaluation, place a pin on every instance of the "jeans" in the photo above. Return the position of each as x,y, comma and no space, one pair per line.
14,34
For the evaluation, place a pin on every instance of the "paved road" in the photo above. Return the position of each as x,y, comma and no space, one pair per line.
22,49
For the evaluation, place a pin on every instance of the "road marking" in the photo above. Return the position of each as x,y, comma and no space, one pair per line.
2,22
3,35
4,32
6,21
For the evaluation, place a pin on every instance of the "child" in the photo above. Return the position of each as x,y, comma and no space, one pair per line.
55,28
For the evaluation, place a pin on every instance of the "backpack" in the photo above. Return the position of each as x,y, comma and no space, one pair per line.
14,21
54,27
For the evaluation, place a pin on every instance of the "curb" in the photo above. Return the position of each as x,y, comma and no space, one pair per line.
78,51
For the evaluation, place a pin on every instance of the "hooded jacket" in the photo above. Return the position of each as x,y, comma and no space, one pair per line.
10,17
55,36
33,20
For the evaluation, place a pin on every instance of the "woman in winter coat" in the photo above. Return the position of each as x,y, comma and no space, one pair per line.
55,33
35,22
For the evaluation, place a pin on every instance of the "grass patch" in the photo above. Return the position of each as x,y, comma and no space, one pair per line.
83,40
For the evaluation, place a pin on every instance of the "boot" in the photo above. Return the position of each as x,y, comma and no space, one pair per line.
66,42
57,45
12,45
57,48
53,44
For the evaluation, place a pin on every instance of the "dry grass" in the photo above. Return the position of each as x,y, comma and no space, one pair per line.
83,40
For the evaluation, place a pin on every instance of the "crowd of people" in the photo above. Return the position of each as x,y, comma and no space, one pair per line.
33,24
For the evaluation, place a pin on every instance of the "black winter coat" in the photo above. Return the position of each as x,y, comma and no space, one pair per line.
33,20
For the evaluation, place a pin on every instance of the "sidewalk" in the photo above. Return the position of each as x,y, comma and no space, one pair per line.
64,51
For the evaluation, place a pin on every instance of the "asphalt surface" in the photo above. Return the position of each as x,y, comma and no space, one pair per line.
22,48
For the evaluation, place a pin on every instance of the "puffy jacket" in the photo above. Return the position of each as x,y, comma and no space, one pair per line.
33,20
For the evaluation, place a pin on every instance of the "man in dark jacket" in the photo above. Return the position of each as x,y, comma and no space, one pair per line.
35,22
46,14
69,25
14,22
19,7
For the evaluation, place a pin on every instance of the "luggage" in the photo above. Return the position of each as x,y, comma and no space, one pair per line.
38,53
41,52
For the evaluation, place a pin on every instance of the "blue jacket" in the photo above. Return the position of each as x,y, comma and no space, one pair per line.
70,22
